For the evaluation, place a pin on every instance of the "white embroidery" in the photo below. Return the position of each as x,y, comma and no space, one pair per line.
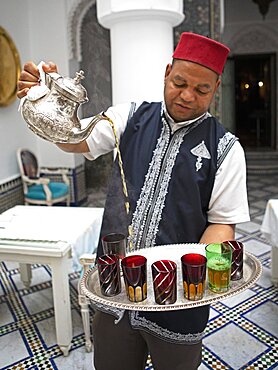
200,151
117,312
149,207
142,323
158,203
224,145
147,193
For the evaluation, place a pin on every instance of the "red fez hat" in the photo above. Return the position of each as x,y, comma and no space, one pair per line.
202,50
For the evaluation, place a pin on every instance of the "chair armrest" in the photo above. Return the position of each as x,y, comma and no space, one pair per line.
86,260
44,181
56,171
38,181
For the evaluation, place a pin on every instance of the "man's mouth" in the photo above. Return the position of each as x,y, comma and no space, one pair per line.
183,107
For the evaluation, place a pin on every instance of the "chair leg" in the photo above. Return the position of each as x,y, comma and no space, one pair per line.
25,274
85,314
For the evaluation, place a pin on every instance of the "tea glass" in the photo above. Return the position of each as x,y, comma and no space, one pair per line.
237,259
219,258
135,277
164,273
109,274
194,275
114,243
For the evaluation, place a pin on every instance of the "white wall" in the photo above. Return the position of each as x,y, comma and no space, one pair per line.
13,133
39,31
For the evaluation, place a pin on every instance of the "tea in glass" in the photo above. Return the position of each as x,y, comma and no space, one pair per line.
194,275
219,258
135,277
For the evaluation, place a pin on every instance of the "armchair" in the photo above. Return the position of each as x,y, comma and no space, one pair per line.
37,188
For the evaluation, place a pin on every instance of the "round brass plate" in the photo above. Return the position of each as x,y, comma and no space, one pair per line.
9,69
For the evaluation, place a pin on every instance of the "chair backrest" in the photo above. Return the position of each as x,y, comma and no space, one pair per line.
28,163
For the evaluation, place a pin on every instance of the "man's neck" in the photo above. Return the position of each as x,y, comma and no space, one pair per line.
176,125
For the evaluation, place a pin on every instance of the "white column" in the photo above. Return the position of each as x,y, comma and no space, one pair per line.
141,34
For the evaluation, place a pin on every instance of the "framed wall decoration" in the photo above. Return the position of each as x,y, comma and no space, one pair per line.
9,69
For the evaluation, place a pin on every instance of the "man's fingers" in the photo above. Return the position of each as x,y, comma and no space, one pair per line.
30,69
22,93
49,67
25,84
30,76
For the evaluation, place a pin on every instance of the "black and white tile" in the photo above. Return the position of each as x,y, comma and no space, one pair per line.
241,334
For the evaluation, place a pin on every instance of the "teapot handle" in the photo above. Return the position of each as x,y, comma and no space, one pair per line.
38,91
46,78
42,73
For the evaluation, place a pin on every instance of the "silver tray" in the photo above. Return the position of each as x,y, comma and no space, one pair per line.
89,283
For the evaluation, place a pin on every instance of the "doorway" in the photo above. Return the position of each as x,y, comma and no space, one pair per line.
255,100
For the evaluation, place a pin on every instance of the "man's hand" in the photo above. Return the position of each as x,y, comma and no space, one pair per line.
30,76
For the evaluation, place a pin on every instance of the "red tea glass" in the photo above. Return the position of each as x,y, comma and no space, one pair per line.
109,274
114,243
135,277
237,259
194,275
164,274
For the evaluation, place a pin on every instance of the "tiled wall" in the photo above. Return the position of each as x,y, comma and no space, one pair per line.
11,192
77,184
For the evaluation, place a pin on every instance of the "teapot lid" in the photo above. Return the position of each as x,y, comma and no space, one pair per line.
71,87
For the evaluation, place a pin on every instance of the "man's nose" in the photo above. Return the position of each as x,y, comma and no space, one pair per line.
187,95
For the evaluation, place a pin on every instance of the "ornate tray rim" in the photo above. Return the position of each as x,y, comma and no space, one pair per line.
142,306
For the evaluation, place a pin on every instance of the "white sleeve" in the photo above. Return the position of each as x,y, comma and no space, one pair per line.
102,139
228,202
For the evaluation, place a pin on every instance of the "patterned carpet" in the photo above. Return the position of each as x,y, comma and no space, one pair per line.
241,334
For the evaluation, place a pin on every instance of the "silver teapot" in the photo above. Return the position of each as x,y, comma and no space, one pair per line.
50,110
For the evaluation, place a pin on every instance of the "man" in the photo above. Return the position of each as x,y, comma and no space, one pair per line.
186,179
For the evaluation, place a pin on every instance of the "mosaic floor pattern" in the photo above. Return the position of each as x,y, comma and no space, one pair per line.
241,334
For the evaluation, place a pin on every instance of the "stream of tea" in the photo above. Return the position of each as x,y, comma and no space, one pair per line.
127,204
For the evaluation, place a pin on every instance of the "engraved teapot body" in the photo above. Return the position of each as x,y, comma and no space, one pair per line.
51,110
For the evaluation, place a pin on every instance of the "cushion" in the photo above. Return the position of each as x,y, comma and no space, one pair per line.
58,189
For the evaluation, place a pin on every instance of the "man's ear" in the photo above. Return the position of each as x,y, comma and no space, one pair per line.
218,82
168,70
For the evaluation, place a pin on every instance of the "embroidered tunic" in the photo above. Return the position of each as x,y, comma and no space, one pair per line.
170,178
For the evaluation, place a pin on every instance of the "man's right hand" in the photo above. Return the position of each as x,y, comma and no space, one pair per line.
30,76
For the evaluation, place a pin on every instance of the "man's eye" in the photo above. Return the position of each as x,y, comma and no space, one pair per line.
202,92
179,84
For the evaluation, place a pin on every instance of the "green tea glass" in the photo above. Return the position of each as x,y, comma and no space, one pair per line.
219,259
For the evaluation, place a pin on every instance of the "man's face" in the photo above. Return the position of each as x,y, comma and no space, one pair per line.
189,89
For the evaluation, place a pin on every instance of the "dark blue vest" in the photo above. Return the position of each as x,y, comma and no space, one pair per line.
184,213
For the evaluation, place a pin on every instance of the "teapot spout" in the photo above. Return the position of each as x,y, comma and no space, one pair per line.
78,135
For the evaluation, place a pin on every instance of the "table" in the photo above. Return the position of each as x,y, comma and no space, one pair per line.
269,230
53,236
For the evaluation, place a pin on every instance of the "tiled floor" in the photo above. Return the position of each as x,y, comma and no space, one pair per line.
241,334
